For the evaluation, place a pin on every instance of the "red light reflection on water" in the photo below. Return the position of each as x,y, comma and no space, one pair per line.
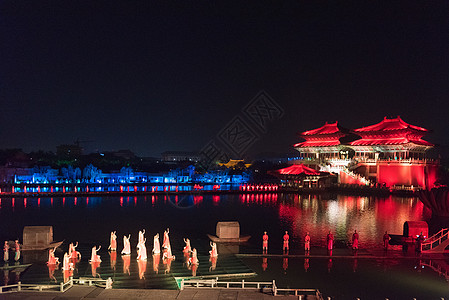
370,217
267,198
197,199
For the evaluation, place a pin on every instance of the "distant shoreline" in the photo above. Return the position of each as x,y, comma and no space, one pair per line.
338,189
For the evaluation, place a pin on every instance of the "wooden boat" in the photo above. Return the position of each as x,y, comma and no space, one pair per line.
38,238
241,239
41,247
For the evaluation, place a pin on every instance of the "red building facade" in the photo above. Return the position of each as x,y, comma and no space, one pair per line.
389,153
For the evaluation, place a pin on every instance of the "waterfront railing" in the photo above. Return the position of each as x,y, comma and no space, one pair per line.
214,283
21,287
62,287
436,240
254,285
91,281
300,292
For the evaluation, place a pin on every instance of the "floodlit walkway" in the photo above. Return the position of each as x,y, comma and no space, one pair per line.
82,292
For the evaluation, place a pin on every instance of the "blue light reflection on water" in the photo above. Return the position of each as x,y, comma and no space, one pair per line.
84,187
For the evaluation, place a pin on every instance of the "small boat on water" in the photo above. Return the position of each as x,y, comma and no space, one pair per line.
38,238
228,232
241,239
41,247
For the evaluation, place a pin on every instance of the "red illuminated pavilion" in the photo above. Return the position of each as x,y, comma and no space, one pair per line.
324,142
394,138
299,175
390,153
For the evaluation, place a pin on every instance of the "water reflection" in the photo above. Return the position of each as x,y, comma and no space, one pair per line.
51,271
298,214
285,264
113,259
369,216
167,262
264,263
142,268
354,265
329,265
126,263
213,263
306,264
156,262
94,266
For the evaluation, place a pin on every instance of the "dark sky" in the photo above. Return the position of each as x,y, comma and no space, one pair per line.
152,76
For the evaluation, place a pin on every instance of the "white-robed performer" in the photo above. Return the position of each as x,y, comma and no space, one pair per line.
6,251
142,250
187,248
73,254
166,245
95,258
52,260
126,245
213,252
17,253
194,259
166,241
66,264
141,236
113,241
156,244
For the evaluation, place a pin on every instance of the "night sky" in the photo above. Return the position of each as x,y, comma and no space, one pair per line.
151,76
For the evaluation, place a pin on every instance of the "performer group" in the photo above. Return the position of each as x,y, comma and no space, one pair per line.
164,252
329,242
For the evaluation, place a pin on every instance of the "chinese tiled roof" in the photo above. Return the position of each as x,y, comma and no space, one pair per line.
318,143
297,170
387,132
390,124
389,141
325,129
324,136
391,132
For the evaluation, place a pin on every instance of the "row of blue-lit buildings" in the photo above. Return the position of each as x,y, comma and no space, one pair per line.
53,176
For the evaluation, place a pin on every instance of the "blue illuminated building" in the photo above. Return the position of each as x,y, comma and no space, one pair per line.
126,176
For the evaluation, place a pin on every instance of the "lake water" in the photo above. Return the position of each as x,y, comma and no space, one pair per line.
90,220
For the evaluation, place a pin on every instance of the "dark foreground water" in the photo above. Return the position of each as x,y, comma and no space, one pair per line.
90,221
